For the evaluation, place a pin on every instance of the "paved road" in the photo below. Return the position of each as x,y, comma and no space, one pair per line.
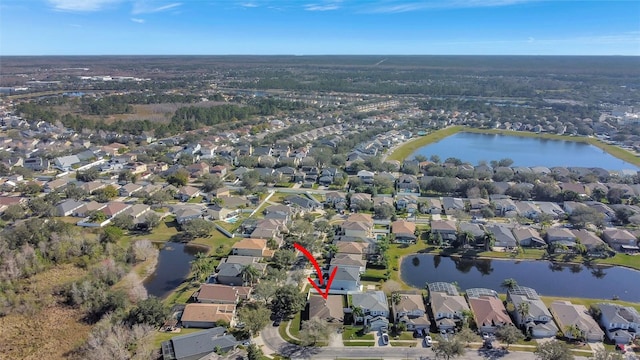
271,338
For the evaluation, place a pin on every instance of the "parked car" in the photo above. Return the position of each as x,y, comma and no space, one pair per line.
621,348
277,322
418,333
385,339
428,341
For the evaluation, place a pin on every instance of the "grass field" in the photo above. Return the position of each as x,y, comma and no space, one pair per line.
359,343
352,333
405,150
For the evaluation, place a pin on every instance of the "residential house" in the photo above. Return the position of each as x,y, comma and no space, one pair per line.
358,226
477,230
68,207
187,192
621,323
620,239
375,309
404,231
251,247
349,260
528,237
336,200
198,345
197,315
433,206
550,208
129,189
410,310
366,176
230,274
538,321
346,280
444,229
528,209
562,236
590,240
447,305
87,208
356,248
360,201
504,206
115,208
187,213
488,310
57,184
569,316
136,211
303,203
408,183
452,205
329,309
217,294
503,237
66,163
403,202
218,212
198,169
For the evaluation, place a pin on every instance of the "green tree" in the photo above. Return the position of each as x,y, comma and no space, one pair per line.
396,298
152,220
288,300
111,234
264,290
255,316
602,354
509,283
250,274
105,194
573,332
198,228
254,352
509,334
13,212
523,311
283,258
179,178
150,311
553,350
313,331
448,349
97,216
123,221
468,336
357,313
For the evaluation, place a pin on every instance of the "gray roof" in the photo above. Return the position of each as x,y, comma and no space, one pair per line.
68,205
227,269
347,274
504,237
443,287
372,300
197,344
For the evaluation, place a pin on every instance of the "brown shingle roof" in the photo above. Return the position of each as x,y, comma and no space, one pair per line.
208,312
251,244
217,293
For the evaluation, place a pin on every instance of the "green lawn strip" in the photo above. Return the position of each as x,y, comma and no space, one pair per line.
351,333
587,302
402,343
283,333
359,343
195,200
405,335
403,151
294,328
632,261
278,197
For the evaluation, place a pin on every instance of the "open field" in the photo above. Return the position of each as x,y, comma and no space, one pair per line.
405,150
51,330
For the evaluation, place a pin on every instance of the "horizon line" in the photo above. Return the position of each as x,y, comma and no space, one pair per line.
336,55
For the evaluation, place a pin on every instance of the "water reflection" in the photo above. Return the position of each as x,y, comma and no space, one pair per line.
579,281
174,264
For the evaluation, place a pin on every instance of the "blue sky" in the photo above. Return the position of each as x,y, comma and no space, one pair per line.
300,27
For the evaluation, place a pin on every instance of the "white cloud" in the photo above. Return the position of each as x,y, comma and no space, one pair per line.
400,7
328,6
82,5
147,7
249,5
137,20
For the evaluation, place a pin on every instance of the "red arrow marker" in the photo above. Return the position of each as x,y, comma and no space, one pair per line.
312,259
325,293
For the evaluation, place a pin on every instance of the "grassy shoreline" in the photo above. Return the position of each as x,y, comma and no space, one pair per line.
405,150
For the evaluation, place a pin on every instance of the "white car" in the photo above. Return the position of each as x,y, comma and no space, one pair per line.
428,341
385,338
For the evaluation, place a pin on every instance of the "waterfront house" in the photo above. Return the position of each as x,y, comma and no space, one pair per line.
621,323
375,309
488,311
447,305
251,247
528,237
403,231
538,320
620,239
410,310
445,229
568,315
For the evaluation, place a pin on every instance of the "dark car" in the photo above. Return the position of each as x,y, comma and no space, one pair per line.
277,322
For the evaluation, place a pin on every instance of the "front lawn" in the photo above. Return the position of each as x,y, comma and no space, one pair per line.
632,261
354,333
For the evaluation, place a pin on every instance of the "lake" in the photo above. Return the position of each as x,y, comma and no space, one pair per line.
174,264
524,151
547,278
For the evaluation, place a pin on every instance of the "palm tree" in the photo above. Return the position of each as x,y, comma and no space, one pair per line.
467,238
357,312
489,240
509,283
573,332
466,316
396,298
523,311
250,274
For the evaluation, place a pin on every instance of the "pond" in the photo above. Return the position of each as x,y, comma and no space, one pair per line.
473,148
174,263
547,278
